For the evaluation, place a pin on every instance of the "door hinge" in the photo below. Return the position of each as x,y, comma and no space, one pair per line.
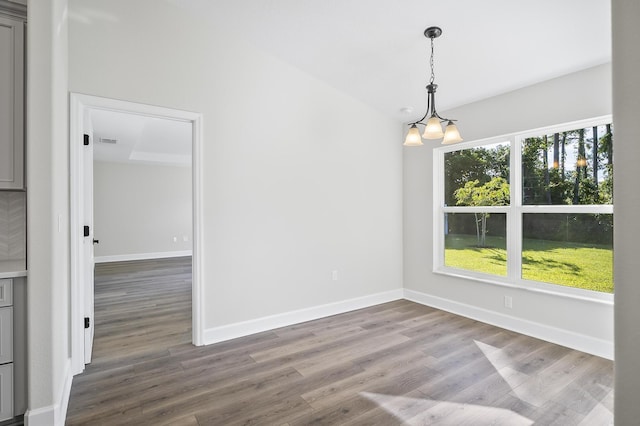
87,322
85,140
86,231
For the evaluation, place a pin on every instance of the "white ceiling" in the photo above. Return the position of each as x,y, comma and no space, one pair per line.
140,139
375,51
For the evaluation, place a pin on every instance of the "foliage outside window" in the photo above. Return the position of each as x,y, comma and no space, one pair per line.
531,208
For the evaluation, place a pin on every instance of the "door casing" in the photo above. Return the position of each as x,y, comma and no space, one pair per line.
79,105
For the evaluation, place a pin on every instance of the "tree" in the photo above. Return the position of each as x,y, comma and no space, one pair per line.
606,147
564,155
581,167
533,175
471,164
493,193
556,151
545,164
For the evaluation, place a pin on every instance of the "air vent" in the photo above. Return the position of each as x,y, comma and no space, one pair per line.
107,140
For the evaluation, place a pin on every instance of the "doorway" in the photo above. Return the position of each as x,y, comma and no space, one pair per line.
81,216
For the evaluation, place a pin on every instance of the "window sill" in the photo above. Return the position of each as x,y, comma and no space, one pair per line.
531,286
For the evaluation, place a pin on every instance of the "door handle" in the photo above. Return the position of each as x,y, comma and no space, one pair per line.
96,241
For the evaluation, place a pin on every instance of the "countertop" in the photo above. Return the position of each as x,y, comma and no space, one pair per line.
13,268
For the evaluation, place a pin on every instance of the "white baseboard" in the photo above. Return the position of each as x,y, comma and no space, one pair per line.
142,256
570,339
56,414
245,328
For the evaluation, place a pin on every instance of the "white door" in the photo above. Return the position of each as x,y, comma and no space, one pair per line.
88,262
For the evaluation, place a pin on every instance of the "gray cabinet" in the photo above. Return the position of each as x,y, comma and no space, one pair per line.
11,102
6,349
6,391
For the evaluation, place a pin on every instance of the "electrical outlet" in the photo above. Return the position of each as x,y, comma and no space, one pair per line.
508,302
334,275
175,239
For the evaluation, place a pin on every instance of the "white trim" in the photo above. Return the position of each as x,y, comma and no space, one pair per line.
142,256
570,339
514,215
197,289
40,416
473,209
565,209
78,104
56,414
530,286
61,411
76,131
438,217
245,328
569,209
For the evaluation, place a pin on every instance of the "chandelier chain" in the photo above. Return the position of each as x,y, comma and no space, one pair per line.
433,75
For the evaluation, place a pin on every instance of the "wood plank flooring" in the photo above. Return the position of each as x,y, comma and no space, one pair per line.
393,364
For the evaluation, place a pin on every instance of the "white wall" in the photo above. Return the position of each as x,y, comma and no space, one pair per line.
298,178
48,213
139,208
582,324
626,110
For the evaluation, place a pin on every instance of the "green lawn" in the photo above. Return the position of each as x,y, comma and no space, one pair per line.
461,252
584,266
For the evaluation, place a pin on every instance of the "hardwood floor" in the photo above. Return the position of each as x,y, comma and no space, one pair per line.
391,364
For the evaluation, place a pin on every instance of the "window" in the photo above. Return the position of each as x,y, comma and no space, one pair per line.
532,209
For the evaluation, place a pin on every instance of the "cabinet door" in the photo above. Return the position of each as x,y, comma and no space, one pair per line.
6,292
6,335
11,103
6,391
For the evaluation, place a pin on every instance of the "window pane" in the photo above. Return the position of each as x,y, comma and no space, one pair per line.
574,250
476,242
573,167
477,176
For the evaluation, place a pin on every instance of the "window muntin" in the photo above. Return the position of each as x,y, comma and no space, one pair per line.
536,200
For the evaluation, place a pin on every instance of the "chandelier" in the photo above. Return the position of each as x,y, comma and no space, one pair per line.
433,126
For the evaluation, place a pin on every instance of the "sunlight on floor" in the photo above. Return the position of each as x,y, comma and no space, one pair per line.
500,360
416,411
530,389
534,390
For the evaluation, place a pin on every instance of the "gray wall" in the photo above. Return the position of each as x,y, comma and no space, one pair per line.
139,208
292,186
48,211
626,110
563,319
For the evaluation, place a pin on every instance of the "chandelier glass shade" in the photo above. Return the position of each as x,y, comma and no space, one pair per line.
433,125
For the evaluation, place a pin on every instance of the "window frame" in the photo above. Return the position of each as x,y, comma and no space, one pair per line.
514,213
